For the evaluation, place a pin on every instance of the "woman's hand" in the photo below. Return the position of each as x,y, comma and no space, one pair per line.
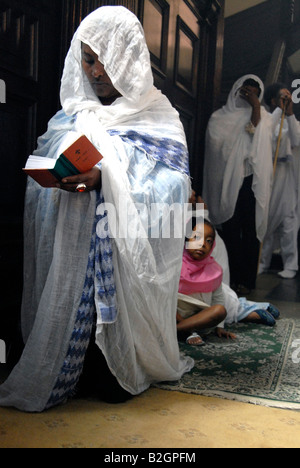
92,180
285,102
249,95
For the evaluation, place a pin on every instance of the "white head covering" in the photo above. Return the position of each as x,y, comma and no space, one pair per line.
228,146
235,102
117,37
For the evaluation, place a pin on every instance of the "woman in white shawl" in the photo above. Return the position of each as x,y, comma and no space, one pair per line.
283,225
78,274
238,176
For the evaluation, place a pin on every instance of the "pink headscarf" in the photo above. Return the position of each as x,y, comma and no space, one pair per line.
199,276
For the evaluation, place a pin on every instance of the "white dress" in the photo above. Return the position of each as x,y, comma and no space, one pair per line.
74,267
283,224
230,150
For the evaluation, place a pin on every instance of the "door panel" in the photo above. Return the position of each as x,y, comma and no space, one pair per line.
28,67
155,18
185,42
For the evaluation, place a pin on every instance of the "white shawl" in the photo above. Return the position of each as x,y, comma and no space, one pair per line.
140,343
228,146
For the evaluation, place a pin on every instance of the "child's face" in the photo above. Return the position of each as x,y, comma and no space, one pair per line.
201,243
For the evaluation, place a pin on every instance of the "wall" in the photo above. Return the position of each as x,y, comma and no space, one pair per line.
233,7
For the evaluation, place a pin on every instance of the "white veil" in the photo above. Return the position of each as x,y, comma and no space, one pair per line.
228,145
116,36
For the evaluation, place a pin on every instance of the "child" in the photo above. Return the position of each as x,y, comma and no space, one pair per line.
204,302
219,253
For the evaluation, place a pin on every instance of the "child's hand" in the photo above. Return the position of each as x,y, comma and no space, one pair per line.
221,333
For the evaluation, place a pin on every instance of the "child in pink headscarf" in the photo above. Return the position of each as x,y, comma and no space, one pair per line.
204,302
200,282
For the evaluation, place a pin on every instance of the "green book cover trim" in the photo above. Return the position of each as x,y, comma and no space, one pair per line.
63,168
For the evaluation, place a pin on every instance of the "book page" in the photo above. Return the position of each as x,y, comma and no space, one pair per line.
38,162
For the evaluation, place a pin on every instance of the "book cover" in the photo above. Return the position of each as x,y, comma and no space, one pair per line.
81,156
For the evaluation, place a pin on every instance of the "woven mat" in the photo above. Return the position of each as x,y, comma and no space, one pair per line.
261,367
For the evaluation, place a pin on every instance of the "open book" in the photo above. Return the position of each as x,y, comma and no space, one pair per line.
193,301
81,156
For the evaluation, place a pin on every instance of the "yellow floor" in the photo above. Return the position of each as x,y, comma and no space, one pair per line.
164,419
155,419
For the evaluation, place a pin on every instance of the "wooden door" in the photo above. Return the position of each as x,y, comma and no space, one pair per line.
29,51
185,39
173,34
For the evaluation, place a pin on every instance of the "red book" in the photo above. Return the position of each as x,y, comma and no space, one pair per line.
81,156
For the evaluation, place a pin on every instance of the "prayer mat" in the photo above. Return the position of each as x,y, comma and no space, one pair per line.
262,366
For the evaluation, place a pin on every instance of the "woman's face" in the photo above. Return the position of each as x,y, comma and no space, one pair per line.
98,77
201,243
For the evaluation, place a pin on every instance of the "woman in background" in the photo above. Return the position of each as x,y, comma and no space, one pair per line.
238,177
